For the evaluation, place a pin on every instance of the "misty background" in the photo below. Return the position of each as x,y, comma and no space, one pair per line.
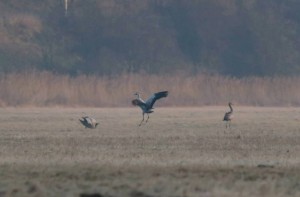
97,53
232,37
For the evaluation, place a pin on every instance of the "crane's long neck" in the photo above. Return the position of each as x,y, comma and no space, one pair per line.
231,110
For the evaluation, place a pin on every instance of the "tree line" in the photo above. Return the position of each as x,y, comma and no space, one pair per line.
109,37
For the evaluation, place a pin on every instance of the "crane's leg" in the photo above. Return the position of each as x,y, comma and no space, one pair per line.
142,120
147,118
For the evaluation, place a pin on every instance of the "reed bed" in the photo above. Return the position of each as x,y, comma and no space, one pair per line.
48,89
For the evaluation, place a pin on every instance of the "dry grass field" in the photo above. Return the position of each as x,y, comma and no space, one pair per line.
179,152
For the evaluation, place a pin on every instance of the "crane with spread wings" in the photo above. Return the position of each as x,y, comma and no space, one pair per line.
147,106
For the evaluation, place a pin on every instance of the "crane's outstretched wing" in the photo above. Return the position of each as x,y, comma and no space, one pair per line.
83,121
138,102
150,102
88,120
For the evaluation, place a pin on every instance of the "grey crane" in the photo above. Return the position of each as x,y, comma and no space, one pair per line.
147,106
89,122
228,115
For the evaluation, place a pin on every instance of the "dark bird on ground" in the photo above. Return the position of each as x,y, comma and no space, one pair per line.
89,122
147,107
228,115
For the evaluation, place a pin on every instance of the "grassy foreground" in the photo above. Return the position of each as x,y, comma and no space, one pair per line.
179,152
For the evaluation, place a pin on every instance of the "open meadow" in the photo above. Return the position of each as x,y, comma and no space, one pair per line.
179,152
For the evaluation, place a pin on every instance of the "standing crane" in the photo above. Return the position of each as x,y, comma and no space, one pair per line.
89,122
228,115
147,107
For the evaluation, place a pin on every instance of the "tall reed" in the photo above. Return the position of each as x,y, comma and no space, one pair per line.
47,89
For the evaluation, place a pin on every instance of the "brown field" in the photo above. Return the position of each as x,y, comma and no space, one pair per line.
179,152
